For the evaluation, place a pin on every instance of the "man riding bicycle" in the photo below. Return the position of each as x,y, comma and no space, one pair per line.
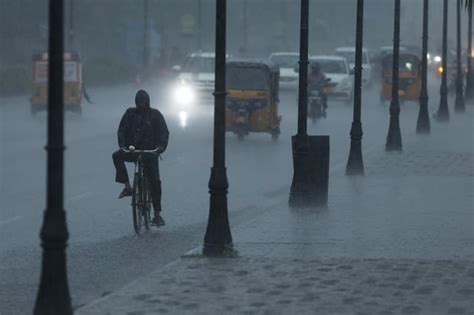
144,128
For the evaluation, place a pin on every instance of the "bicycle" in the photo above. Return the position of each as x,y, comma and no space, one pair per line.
141,198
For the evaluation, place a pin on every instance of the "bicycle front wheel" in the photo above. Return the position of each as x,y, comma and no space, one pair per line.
136,212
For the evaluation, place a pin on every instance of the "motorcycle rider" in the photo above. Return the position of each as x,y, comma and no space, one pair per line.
317,81
144,128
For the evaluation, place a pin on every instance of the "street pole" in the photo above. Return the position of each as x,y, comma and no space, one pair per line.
442,114
355,164
459,102
199,22
218,237
423,122
394,137
300,187
53,294
469,88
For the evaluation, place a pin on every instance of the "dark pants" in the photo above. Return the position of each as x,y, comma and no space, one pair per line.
152,171
325,101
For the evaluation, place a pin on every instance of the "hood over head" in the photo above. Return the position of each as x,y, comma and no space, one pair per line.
142,97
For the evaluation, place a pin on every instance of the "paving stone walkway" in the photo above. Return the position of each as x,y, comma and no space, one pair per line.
292,286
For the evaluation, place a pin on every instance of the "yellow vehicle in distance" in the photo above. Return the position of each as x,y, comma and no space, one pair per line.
252,99
72,83
409,78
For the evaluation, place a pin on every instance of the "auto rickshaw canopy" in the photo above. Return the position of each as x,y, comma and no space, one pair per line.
250,74
408,62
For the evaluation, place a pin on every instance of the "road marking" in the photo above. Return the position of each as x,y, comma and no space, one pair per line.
79,197
10,220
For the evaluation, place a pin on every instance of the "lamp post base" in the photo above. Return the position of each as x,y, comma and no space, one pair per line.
53,294
459,106
468,94
218,237
441,116
423,123
355,164
394,136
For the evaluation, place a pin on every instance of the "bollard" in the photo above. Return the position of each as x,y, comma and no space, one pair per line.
311,162
319,154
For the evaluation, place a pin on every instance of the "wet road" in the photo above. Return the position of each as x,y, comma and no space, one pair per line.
103,253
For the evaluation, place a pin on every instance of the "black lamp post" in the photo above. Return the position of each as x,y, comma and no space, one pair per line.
469,81
459,102
394,137
218,237
423,122
443,110
53,294
355,164
300,187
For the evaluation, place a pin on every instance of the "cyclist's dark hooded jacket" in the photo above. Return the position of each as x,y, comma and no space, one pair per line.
144,129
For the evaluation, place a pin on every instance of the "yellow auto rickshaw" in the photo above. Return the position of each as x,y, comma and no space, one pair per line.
72,82
409,77
252,99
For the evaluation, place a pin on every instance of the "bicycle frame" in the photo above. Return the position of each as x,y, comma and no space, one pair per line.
141,199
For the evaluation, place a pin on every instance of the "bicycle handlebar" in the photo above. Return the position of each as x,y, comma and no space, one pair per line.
141,151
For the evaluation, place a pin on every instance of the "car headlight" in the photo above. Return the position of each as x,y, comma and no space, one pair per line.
437,59
183,94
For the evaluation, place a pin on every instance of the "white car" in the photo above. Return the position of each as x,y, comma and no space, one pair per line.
286,61
337,69
195,82
349,54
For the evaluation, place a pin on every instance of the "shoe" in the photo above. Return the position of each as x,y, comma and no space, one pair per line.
158,221
126,192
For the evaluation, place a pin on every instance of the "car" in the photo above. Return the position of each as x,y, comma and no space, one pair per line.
286,61
349,54
337,69
195,81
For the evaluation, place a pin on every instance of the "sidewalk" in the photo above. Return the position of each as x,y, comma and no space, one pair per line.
398,241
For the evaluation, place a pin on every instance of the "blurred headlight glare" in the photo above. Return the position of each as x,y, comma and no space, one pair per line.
183,95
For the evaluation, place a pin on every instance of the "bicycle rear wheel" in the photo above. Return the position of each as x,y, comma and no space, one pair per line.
136,213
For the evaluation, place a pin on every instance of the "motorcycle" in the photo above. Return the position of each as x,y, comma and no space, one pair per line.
316,99
242,123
